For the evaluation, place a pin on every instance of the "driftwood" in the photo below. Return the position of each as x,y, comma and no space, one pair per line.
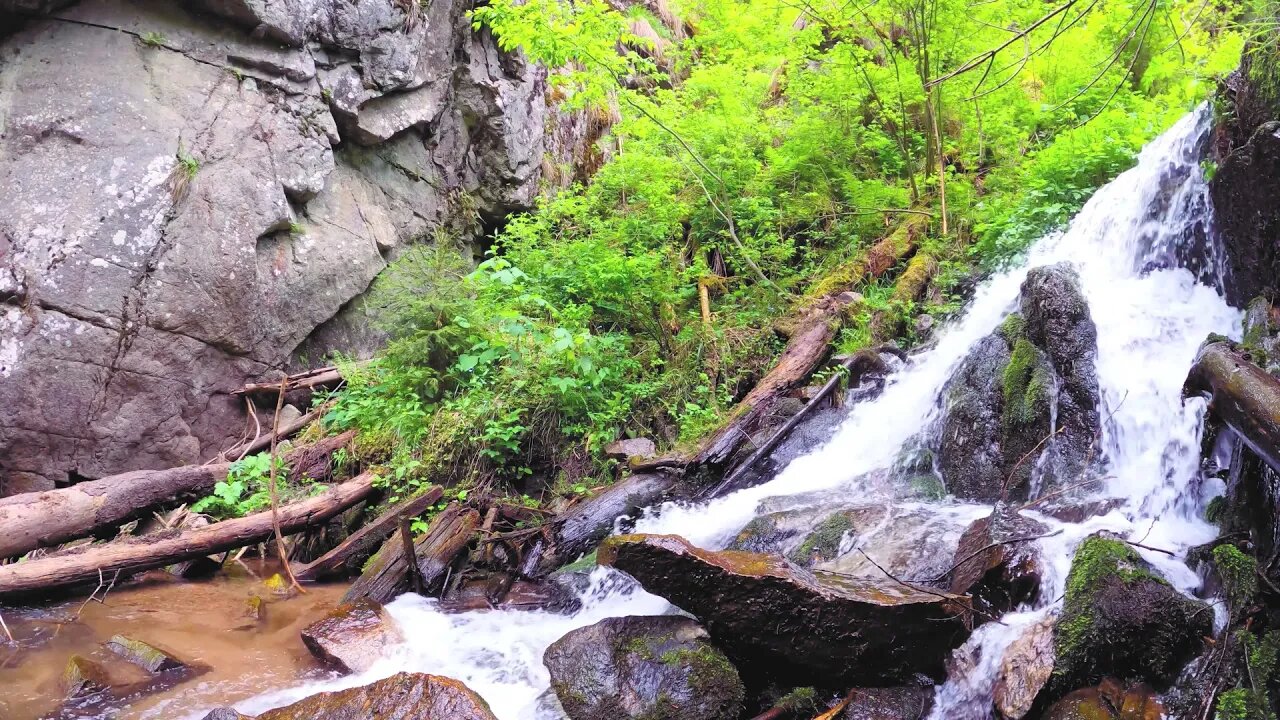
88,564
1242,394
387,573
584,525
362,543
45,519
302,381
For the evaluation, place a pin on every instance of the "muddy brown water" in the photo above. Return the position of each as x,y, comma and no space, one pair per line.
205,622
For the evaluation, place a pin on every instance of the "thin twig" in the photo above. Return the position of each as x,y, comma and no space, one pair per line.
1170,553
6,630
928,591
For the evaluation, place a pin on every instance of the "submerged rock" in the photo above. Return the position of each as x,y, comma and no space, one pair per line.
1109,701
643,667
996,436
403,696
1120,618
779,621
352,637
146,656
83,677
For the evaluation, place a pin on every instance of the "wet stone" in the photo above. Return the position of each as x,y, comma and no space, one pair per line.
83,677
403,696
353,637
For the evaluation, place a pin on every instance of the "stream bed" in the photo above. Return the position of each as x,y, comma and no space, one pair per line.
1146,260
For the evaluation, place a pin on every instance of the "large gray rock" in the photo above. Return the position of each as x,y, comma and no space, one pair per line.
191,200
643,667
1022,409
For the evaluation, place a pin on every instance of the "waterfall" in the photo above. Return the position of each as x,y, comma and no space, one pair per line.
1148,266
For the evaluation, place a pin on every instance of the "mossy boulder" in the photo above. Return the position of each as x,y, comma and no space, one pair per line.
771,533
1120,618
644,668
823,543
997,438
403,696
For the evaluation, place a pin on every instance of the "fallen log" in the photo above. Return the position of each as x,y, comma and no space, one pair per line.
90,563
1243,395
811,334
386,574
361,544
302,381
46,519
858,365
587,523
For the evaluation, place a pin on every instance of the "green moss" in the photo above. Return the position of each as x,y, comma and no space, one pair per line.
1013,328
1251,702
586,563
1239,573
824,542
710,672
801,701
927,486
1216,511
1026,383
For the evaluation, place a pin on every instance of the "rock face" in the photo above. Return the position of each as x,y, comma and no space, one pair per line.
403,696
1247,151
1038,365
643,667
778,621
1121,619
352,637
194,198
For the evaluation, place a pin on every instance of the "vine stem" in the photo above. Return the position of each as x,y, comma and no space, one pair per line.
275,499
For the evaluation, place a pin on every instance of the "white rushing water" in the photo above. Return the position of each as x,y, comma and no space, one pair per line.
1150,316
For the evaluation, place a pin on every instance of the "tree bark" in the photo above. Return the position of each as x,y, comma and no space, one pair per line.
88,564
46,519
587,523
387,573
1244,395
361,544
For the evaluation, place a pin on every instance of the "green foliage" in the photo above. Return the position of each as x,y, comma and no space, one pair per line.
188,164
152,38
1250,700
753,157
246,489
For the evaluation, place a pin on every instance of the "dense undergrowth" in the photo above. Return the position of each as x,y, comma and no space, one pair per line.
758,147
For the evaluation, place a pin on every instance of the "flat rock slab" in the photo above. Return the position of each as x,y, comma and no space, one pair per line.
353,637
403,696
777,620
148,657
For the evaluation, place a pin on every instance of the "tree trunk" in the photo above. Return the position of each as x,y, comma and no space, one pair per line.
387,573
361,544
88,564
1244,395
50,518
